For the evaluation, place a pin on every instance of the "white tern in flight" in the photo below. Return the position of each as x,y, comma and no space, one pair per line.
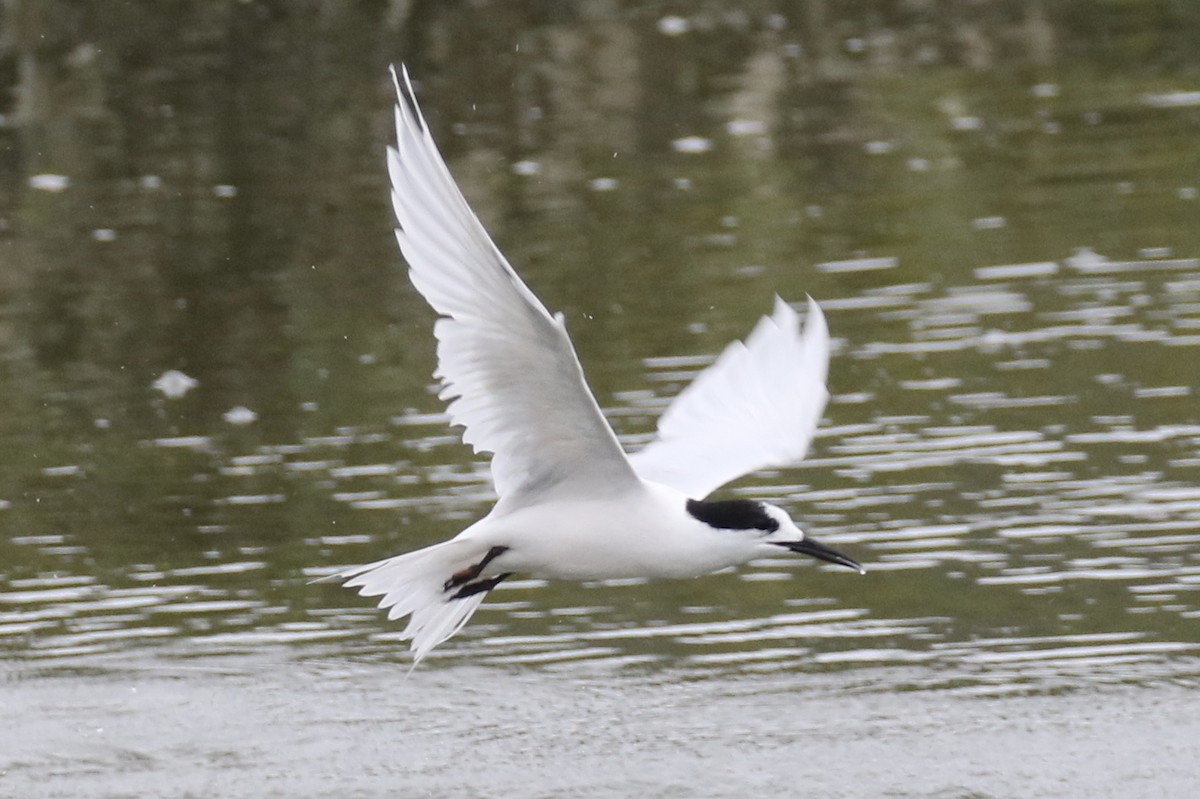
572,504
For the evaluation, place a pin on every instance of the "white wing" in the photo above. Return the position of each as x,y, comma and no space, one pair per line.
757,405
508,366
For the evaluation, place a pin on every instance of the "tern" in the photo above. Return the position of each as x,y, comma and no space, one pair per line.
571,503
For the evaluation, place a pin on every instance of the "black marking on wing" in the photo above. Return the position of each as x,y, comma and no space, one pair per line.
733,514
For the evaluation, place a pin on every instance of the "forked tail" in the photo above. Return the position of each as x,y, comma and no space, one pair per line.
439,587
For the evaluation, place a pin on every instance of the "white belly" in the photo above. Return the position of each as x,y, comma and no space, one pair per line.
647,535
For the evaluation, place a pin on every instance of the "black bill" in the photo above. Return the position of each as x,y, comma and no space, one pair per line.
821,552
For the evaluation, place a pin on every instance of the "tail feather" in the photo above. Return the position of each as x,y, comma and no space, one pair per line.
441,624
413,585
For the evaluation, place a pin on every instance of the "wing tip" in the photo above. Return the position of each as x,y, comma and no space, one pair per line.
785,310
785,315
815,322
406,98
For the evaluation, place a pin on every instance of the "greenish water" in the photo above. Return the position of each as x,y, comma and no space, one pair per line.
1009,259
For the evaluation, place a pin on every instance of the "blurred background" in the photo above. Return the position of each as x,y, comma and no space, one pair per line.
215,386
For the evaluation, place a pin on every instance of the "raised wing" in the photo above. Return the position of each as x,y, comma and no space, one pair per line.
757,405
507,367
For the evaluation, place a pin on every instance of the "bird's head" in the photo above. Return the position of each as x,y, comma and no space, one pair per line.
772,525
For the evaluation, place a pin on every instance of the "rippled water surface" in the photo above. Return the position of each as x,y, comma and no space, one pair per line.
216,388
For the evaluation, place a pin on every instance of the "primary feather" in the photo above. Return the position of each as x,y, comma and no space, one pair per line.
757,405
506,365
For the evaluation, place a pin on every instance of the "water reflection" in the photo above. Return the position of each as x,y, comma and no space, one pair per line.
1010,264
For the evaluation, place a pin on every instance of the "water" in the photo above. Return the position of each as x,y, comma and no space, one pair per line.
1010,265
269,726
